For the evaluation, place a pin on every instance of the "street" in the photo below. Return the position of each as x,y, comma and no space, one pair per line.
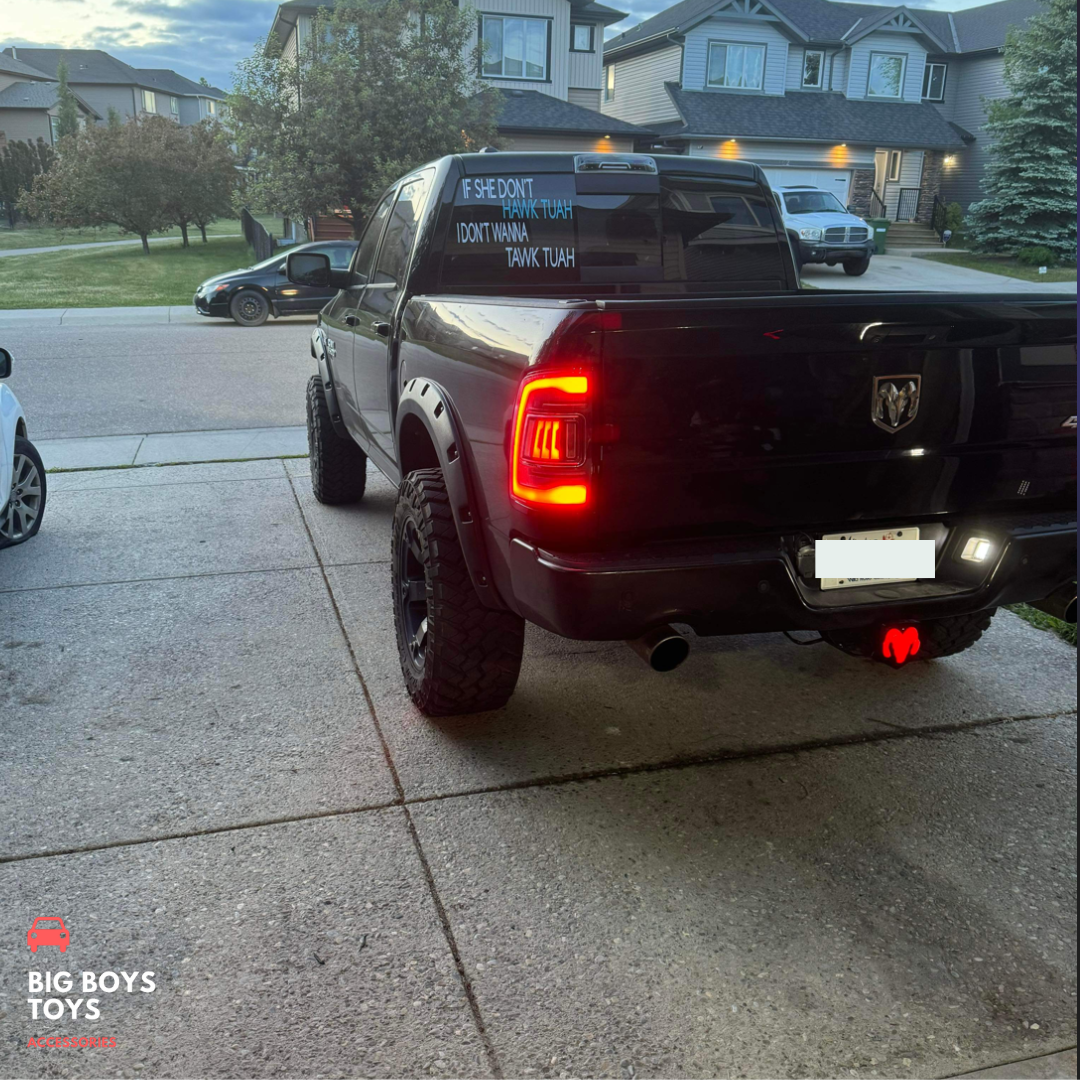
138,374
776,861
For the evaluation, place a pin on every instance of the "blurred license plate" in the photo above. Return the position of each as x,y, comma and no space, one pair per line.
880,534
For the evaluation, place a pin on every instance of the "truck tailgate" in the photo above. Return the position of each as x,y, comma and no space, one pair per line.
807,411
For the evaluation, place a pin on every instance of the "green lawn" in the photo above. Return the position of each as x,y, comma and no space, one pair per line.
116,276
1001,264
1046,622
28,236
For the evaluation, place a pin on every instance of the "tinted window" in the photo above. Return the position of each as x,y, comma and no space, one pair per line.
365,256
401,232
538,232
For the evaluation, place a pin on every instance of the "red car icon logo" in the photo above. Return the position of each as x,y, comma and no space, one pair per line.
46,930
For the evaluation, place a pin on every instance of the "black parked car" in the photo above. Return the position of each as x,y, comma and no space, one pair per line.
252,294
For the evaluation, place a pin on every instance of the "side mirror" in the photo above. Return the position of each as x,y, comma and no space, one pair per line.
5,364
309,268
851,209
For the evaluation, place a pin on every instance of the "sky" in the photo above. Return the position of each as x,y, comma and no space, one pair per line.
204,37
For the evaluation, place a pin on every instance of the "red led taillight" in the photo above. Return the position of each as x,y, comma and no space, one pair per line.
548,466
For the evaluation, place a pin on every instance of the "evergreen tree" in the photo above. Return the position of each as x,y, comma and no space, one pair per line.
1031,177
67,115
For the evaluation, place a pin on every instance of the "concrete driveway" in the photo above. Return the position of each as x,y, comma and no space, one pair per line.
776,861
907,272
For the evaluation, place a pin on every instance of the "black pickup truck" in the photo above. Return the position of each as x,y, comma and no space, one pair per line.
608,408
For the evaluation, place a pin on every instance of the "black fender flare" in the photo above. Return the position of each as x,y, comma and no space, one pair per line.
430,404
326,377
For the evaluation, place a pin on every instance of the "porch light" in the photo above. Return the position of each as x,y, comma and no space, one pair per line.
950,160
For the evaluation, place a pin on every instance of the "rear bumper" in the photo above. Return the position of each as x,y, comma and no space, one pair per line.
752,585
831,254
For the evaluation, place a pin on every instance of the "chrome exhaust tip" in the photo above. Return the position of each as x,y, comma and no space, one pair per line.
663,648
1061,603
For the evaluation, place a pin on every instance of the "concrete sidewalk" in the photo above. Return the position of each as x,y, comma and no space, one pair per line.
8,252
163,448
113,316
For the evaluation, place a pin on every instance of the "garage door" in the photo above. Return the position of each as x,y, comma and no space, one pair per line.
835,180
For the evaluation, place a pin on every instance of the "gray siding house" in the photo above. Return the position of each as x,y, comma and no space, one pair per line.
103,82
546,58
881,105
29,102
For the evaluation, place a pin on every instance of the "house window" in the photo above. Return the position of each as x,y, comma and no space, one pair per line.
813,68
609,83
581,37
149,101
211,107
736,67
886,75
515,48
54,128
174,106
933,84
892,169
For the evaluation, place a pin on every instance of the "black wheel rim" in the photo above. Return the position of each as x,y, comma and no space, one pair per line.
412,595
251,307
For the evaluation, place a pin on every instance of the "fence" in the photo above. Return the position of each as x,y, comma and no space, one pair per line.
877,207
262,242
939,219
907,205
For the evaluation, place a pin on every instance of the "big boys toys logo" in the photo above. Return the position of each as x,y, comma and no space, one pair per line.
80,1000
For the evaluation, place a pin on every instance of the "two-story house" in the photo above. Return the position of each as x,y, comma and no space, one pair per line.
880,105
103,83
544,56
29,103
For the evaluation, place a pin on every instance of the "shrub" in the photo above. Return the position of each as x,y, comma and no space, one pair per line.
1036,256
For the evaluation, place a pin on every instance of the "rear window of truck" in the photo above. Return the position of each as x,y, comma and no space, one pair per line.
539,233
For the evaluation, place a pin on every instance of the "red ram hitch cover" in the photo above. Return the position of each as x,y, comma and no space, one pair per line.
900,645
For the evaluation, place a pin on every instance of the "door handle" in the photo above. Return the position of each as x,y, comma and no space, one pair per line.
351,320
381,328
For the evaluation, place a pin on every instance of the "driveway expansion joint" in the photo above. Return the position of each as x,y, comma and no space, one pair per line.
429,877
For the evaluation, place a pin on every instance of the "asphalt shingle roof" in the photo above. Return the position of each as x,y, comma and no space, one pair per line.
35,95
169,82
817,117
84,65
828,21
529,110
29,95
10,66
985,27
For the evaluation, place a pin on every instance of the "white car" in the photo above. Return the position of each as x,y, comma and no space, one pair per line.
823,231
22,476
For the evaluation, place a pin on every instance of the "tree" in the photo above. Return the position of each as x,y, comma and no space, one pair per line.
109,175
67,115
201,176
377,89
1031,176
20,162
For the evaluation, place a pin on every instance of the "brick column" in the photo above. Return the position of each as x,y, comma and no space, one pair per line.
862,186
930,185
